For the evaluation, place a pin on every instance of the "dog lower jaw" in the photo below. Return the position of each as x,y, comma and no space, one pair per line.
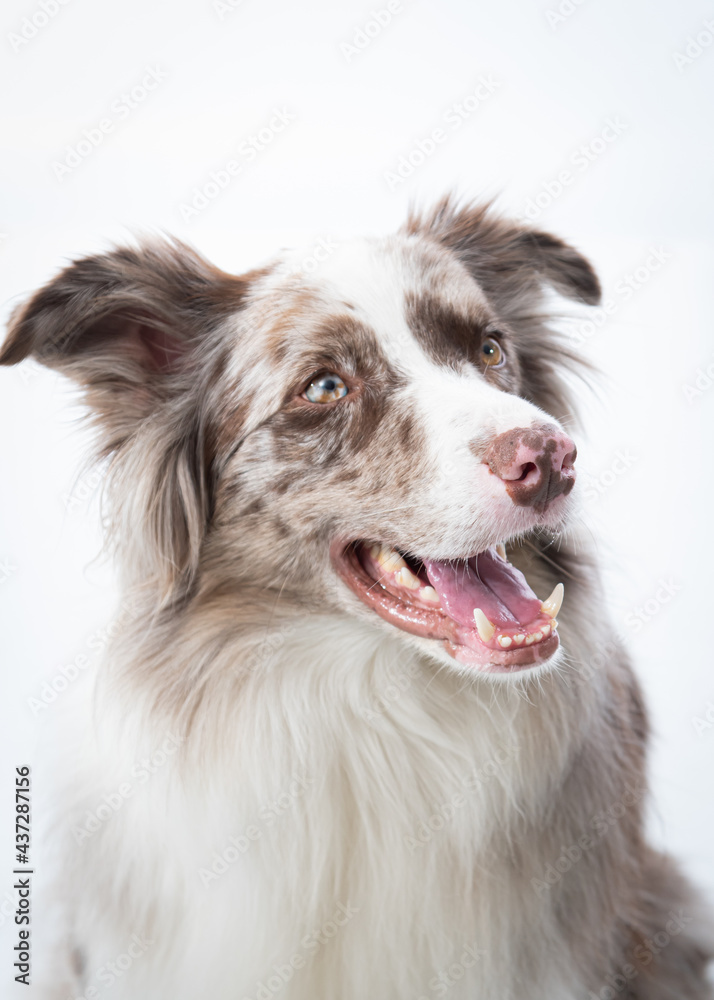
517,661
425,618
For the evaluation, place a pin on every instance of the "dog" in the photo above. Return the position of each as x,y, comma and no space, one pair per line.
364,729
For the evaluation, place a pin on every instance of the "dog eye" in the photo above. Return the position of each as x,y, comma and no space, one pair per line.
492,354
326,388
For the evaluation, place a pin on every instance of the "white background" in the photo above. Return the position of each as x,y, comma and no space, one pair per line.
557,82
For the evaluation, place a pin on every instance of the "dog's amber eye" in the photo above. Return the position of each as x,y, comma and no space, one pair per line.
492,354
326,388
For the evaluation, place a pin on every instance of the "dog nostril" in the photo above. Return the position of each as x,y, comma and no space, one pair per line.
527,469
569,460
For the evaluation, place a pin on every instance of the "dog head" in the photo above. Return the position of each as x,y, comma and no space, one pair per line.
367,433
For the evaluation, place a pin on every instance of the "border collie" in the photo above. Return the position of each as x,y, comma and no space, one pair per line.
347,745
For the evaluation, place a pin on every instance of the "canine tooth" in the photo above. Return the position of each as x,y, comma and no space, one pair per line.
518,639
505,641
554,603
390,560
429,594
407,579
501,550
483,626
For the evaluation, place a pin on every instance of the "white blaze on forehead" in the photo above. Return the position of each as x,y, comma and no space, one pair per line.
377,279
373,280
459,410
361,275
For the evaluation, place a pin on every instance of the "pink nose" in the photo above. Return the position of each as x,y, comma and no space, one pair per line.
535,463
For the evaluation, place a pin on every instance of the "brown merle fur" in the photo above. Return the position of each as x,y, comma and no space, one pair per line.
225,487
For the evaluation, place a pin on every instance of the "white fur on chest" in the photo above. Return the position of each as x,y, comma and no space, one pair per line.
348,820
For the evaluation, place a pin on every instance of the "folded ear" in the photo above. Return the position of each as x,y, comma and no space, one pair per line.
123,324
508,258
140,330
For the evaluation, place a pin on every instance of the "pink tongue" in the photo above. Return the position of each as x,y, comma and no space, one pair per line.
487,582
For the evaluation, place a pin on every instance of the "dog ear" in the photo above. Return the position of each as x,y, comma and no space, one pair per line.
139,330
123,324
508,259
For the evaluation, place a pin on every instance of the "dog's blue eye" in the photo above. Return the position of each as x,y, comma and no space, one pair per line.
326,388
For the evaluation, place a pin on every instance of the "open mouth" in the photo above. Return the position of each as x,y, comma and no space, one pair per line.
481,609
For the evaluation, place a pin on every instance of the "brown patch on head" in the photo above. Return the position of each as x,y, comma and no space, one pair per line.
351,349
504,255
512,263
296,303
447,336
348,344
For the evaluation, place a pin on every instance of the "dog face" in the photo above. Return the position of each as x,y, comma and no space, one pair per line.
367,435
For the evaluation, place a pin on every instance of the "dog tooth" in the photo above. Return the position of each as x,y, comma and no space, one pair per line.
390,560
429,594
554,603
483,626
518,639
407,579
505,641
530,639
545,630
501,550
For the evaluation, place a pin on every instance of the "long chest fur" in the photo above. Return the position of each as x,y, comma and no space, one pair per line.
341,813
